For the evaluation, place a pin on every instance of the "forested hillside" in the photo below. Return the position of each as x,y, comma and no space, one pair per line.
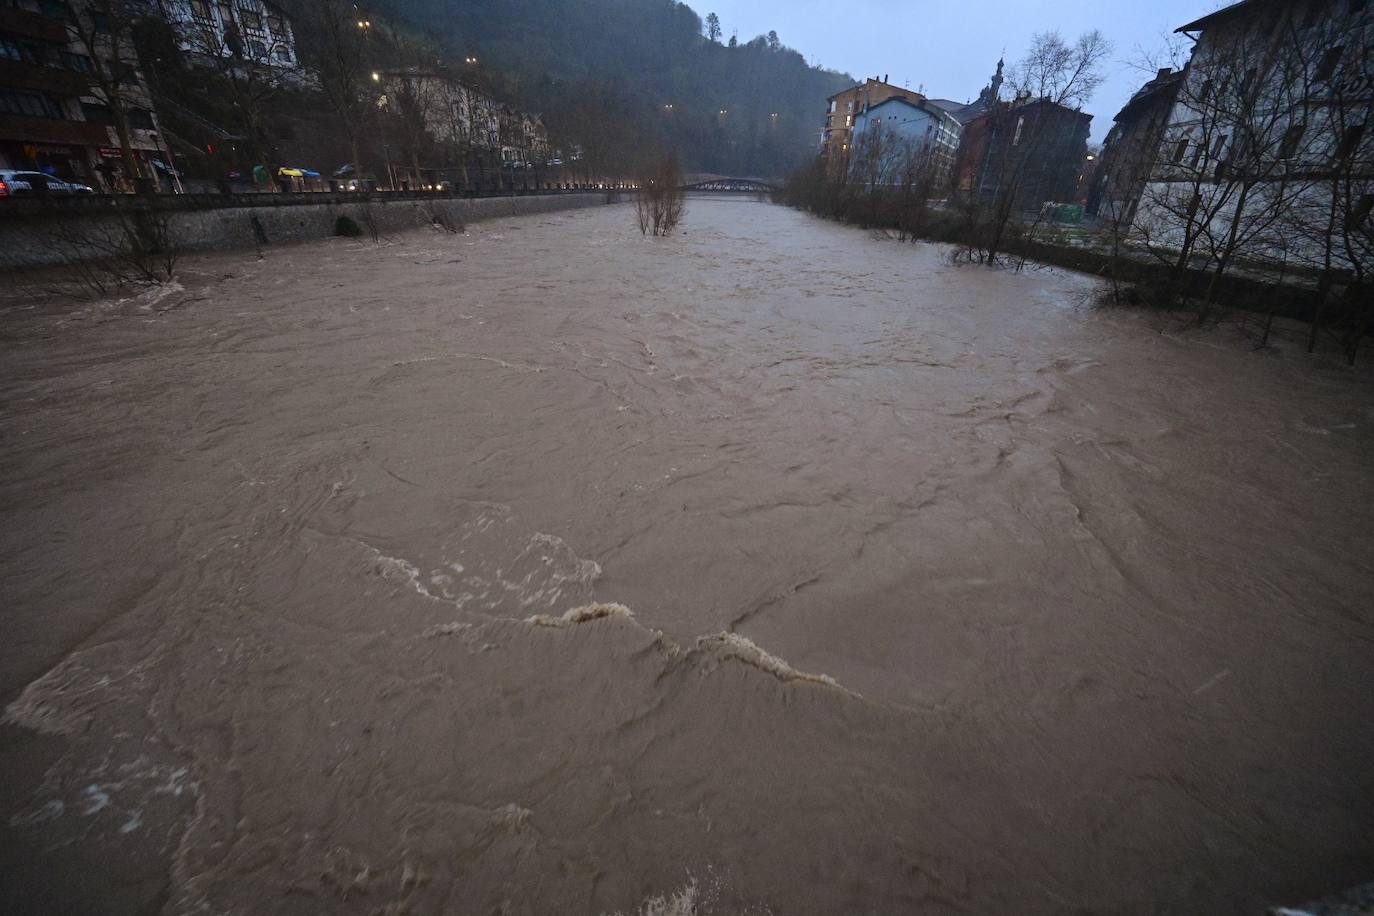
628,78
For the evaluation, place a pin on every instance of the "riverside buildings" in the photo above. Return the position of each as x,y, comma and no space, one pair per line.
1267,151
58,98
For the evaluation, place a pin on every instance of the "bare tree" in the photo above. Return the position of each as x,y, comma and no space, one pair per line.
1066,74
340,56
1231,174
253,71
1051,84
105,31
660,203
1333,218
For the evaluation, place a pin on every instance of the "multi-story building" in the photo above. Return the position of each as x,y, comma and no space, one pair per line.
844,107
469,127
54,115
1132,148
1033,149
916,128
1267,151
221,33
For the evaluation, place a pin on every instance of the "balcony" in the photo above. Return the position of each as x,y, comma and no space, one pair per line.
32,25
62,83
44,130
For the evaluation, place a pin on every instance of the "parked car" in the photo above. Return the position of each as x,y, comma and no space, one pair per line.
11,185
24,183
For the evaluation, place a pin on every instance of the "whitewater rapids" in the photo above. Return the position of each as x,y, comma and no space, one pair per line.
768,568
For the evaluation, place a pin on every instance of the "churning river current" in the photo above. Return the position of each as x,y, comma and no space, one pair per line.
771,567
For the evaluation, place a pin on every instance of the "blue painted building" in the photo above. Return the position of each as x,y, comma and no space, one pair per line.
920,125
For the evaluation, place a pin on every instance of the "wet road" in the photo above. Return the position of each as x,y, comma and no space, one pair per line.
906,587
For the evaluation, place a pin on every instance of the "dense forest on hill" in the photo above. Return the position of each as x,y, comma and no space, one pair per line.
627,79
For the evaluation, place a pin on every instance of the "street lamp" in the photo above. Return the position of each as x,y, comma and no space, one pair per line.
471,61
376,77
364,23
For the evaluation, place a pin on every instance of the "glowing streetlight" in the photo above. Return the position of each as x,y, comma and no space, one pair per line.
364,23
376,77
471,60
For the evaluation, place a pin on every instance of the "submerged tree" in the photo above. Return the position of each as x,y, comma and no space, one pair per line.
661,201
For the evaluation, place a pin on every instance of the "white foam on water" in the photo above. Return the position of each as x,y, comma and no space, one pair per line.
742,649
582,614
717,646
681,902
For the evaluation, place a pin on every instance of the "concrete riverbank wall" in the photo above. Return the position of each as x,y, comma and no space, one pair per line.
47,234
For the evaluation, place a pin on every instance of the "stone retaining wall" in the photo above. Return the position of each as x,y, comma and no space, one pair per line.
41,238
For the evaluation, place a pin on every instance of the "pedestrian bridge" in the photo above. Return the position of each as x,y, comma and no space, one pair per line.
732,186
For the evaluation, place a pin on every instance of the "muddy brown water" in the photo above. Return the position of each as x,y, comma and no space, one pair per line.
906,587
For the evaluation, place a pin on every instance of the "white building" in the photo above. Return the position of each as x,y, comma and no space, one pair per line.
221,32
1267,154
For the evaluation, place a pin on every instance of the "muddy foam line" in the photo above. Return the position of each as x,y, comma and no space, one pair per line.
717,647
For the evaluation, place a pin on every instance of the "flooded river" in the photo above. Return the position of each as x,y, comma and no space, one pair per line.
767,568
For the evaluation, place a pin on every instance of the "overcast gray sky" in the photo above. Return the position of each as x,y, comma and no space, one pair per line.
951,46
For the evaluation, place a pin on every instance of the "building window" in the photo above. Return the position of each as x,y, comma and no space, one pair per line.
77,63
1291,138
250,19
1248,83
13,50
55,9
257,49
29,104
97,113
200,10
1350,141
278,25
1360,212
283,54
139,119
1326,67
1181,150
1219,147
1020,124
